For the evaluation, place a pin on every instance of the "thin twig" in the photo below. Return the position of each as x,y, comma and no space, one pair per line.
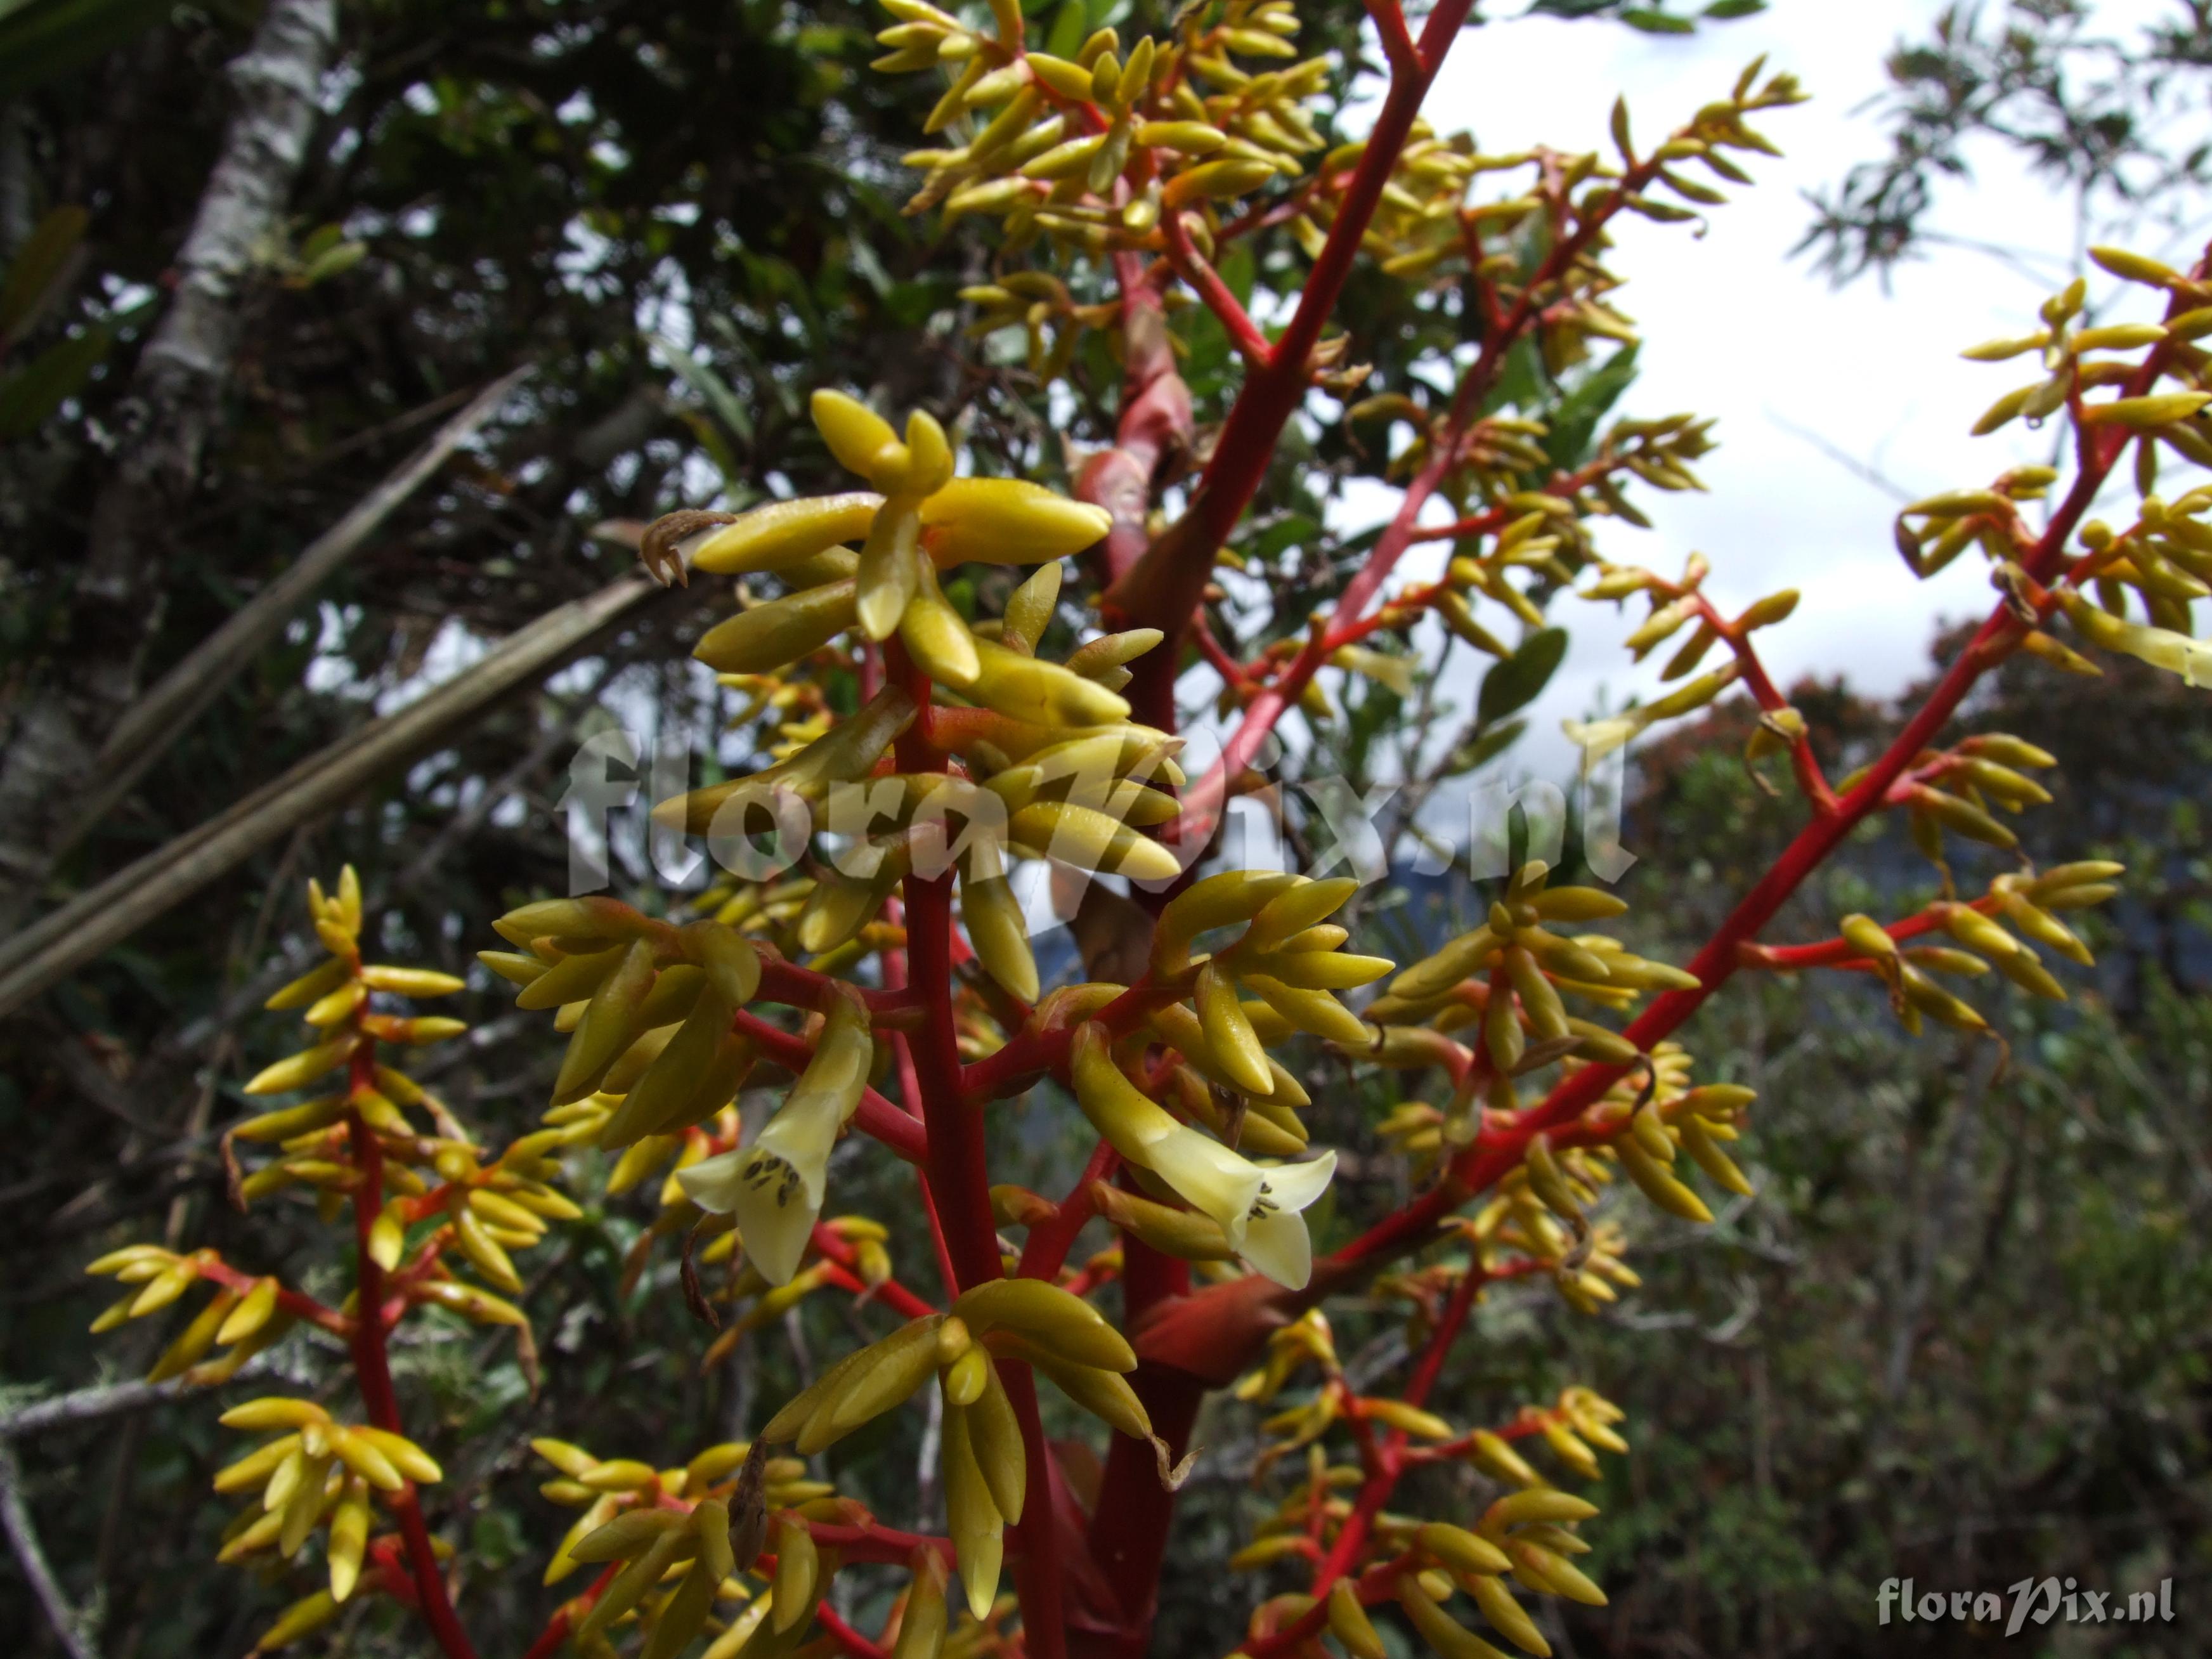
155,721
16,1517
95,1405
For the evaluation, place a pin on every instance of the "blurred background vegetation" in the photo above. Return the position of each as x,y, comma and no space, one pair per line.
1960,1334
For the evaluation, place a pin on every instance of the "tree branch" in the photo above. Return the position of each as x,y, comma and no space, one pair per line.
103,916
173,410
16,1518
155,721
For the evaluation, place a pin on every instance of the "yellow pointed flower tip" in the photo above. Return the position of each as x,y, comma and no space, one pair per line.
1276,1242
861,439
1212,1179
775,1187
1598,739
1006,521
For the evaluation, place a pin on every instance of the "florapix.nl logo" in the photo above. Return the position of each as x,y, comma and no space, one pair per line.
763,827
2030,1602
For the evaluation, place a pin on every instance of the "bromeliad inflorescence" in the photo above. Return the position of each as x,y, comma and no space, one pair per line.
936,705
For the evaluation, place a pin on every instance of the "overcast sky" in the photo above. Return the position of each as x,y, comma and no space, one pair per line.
1737,329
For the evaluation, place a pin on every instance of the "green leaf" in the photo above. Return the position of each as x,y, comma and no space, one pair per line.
40,387
1070,24
712,440
333,261
1237,271
1518,681
1486,748
1726,9
39,267
1574,423
1657,22
714,391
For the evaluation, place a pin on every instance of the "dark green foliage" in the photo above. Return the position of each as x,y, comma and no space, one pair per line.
2116,122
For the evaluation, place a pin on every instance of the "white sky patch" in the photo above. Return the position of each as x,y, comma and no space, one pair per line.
1737,329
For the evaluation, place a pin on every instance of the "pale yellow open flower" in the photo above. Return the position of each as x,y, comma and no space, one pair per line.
1276,1242
775,1186
1215,1181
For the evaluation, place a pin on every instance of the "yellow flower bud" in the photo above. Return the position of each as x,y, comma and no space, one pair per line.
798,1574
1006,521
921,1628
1229,1035
861,439
1444,1634
780,534
302,1068
978,1530
769,636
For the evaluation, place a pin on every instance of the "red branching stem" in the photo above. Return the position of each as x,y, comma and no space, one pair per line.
555,1635
1388,1464
297,1303
1722,954
1251,344
1161,589
1352,1536
959,1178
1221,1327
895,976
795,986
1839,953
1038,1576
1204,801
1493,519
959,1182
848,1639
372,1364
892,1294
1389,18
1033,1054
1154,426
1049,1242
871,1542
1812,781
1232,672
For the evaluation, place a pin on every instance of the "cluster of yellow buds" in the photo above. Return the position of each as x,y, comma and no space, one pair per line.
614,974
1209,1200
1427,227
2163,560
702,1525
985,1468
1509,974
317,1473
2071,371
1673,605
1539,1216
1527,1534
485,1211
1646,1137
421,1193
1932,532
1055,769
245,1315
725,1545
1093,146
1993,931
1050,316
